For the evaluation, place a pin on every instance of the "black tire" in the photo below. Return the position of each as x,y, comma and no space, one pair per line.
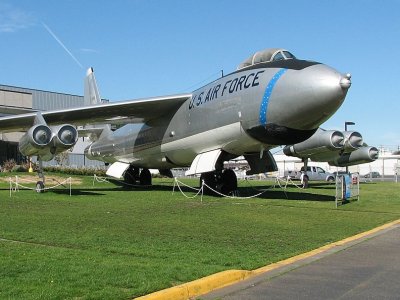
210,180
131,175
145,177
330,179
229,182
39,187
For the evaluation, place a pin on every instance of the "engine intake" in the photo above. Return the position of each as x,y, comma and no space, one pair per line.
37,138
66,136
353,140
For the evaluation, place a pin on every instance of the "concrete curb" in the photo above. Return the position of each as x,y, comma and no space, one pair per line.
209,283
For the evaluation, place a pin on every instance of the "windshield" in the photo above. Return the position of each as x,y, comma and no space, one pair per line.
281,55
288,55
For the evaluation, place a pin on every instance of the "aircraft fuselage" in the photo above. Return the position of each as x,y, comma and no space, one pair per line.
255,108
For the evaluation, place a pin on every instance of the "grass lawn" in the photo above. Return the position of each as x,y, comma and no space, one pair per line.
111,243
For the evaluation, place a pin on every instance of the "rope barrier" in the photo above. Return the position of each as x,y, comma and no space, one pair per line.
99,179
200,190
177,183
15,185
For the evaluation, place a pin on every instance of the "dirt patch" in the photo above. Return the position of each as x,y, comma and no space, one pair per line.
50,180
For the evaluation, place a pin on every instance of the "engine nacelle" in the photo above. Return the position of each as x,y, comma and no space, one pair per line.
320,142
35,140
360,156
46,142
65,137
353,141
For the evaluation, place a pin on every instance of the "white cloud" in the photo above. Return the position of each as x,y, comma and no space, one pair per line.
88,50
13,19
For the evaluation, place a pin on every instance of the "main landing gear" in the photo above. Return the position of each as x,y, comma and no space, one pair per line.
222,181
134,176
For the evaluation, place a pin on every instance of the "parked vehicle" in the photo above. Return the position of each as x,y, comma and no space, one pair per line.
313,173
372,175
338,173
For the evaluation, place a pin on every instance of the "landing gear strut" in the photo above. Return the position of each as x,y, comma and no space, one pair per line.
224,182
304,177
41,183
134,176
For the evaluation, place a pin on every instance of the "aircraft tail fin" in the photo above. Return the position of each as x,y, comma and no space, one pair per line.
92,95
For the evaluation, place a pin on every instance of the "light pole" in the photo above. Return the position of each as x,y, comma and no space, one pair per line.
348,123
345,129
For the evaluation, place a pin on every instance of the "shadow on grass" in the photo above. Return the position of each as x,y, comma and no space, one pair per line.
305,196
269,193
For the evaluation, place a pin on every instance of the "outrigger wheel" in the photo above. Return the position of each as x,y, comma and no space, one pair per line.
40,183
39,187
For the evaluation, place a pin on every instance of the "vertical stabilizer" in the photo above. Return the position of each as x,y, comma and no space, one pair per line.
92,95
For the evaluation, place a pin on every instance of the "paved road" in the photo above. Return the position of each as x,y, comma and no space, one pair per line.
363,270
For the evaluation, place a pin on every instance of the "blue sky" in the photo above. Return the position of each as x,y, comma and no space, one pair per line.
143,48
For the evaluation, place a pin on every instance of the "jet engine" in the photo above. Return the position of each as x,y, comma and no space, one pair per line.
35,140
46,142
353,140
362,155
337,148
320,142
65,138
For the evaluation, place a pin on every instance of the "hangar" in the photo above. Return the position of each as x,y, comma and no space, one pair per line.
18,100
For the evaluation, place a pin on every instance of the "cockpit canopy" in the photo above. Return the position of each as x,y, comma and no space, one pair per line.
267,55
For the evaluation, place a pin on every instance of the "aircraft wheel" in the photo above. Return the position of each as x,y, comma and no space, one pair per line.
145,177
229,182
39,187
131,175
209,180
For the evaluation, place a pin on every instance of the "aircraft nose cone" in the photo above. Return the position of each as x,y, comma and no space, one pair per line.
345,82
308,97
329,89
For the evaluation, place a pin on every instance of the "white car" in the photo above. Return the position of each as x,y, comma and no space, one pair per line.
317,173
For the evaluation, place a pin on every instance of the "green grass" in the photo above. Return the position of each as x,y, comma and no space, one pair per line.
111,243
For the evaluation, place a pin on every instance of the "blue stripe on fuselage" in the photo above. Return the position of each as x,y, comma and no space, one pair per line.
267,95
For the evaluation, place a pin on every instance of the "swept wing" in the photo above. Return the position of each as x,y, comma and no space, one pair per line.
134,111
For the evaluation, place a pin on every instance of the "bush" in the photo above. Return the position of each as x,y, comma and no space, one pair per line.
75,171
19,168
8,165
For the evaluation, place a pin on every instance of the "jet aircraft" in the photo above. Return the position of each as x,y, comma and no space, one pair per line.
272,99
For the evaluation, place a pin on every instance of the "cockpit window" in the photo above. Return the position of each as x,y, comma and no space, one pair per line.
278,56
281,55
288,55
265,56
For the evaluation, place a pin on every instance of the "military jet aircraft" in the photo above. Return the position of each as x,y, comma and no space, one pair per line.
272,99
